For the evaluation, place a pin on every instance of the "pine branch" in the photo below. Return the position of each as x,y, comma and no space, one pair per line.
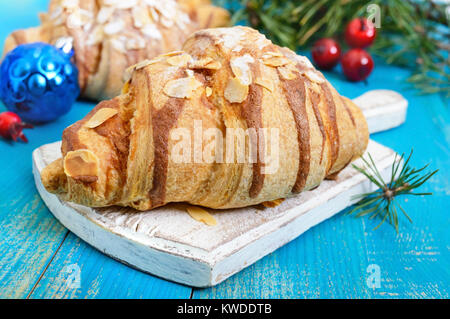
413,33
383,203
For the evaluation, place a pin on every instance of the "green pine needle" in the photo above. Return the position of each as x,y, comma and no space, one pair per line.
383,203
413,34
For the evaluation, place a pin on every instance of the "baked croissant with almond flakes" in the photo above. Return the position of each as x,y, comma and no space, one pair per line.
231,121
110,35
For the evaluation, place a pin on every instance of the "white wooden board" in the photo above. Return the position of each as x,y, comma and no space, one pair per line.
383,109
168,243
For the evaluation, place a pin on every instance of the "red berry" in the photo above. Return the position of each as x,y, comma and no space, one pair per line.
11,126
357,64
360,33
326,53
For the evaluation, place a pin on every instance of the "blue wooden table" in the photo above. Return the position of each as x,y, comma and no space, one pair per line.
333,260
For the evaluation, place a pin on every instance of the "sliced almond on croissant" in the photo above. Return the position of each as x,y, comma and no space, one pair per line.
201,215
273,203
100,117
205,63
276,61
81,165
314,76
287,72
268,84
173,53
144,63
268,55
181,60
236,92
182,88
241,69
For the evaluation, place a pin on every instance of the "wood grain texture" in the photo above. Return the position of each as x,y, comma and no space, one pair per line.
170,244
329,260
30,235
100,277
413,264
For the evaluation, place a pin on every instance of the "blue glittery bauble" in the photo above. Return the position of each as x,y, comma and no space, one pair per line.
38,82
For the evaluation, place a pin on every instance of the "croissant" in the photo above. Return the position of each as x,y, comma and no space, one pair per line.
127,152
110,35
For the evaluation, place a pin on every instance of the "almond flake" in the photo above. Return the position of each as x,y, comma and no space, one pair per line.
78,18
114,27
201,215
237,48
273,203
144,63
140,17
96,36
182,20
241,69
182,88
119,45
166,22
151,30
126,4
87,27
208,91
199,64
276,61
70,4
236,92
154,14
314,76
262,42
205,63
104,14
213,65
172,53
303,61
135,44
287,73
100,117
265,83
181,60
268,55
81,164
190,73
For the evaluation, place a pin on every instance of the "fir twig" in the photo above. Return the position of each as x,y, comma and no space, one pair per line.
413,33
383,203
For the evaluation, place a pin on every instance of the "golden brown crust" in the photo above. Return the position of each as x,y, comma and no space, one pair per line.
109,36
258,86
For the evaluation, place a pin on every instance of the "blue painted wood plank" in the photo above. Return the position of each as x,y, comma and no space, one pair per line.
19,14
30,235
332,259
99,277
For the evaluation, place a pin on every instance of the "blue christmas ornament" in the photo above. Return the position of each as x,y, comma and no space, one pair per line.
38,81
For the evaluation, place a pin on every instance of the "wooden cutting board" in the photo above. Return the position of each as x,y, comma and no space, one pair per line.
168,243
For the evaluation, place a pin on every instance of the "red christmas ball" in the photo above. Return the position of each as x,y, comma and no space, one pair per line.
11,126
326,53
357,64
360,33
